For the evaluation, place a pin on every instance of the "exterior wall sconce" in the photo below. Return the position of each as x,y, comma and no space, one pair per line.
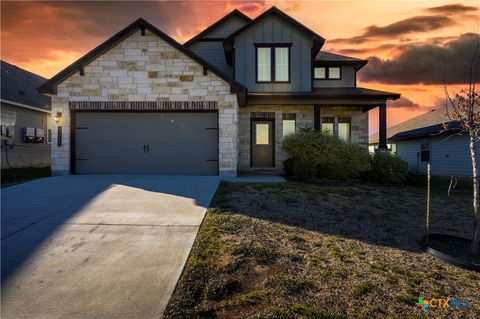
57,118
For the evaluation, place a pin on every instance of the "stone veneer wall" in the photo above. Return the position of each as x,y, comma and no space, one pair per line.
359,121
146,68
304,118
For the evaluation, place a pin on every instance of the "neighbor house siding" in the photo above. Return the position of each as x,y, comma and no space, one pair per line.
409,150
146,68
24,154
348,79
272,29
449,155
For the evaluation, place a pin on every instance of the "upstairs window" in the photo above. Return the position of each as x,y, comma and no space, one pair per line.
264,64
281,64
273,62
334,73
320,73
330,73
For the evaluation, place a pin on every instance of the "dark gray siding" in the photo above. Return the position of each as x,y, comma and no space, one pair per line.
347,80
226,28
212,52
24,154
274,30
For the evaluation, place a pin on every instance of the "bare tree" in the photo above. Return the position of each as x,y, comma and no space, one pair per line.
464,115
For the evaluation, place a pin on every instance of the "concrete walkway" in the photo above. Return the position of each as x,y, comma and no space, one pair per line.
98,246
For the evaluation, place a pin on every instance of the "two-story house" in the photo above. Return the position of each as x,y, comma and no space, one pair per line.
142,103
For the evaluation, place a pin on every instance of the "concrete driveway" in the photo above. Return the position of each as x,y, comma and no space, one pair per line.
98,246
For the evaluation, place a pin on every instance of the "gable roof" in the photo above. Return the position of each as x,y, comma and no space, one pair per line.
20,87
423,123
142,24
234,13
318,40
323,56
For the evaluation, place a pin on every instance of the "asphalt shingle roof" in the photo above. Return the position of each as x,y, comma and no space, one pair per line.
327,56
20,86
432,119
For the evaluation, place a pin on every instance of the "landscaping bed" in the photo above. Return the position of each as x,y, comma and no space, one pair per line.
12,176
293,250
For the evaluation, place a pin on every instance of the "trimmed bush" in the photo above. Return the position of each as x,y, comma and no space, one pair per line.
386,167
315,154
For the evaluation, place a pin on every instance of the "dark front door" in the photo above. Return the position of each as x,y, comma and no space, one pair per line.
262,143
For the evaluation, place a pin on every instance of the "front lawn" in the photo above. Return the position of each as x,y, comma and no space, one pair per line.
12,176
294,250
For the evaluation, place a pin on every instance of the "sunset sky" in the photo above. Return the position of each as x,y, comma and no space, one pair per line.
412,46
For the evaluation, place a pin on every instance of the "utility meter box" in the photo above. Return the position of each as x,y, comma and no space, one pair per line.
10,131
29,135
39,135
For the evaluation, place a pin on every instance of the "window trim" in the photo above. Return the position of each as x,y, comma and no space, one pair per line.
272,47
327,72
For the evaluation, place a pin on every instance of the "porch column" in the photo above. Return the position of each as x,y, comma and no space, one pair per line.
316,117
382,134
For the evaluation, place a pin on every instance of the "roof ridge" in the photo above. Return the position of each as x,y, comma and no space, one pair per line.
216,23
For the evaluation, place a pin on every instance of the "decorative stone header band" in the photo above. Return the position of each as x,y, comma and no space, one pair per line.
262,115
143,105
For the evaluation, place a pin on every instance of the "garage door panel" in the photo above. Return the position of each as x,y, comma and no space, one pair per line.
147,143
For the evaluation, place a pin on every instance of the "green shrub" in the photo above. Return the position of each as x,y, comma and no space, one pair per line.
386,167
288,166
316,154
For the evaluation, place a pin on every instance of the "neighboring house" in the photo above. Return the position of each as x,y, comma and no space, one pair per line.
423,139
25,117
142,103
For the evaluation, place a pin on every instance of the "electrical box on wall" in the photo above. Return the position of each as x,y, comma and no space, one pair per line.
10,131
3,129
39,135
29,135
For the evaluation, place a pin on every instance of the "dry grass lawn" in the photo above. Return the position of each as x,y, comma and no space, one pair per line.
294,250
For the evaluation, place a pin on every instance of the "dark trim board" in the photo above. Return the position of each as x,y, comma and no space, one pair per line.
73,129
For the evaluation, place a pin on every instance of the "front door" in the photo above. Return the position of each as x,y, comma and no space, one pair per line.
262,143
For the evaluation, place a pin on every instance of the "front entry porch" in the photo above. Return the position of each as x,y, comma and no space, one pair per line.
268,118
